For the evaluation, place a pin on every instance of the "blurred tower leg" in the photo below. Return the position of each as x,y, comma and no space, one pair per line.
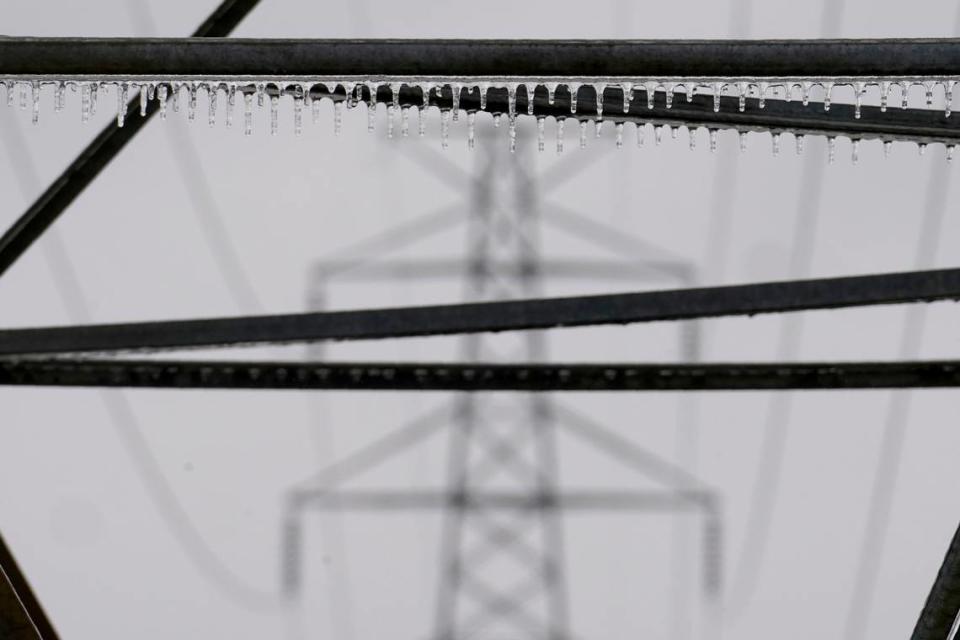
502,568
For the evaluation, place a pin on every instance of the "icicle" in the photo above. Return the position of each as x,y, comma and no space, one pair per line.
619,129
763,95
496,121
121,104
855,152
262,89
599,90
8,87
212,98
560,123
161,98
950,150
371,115
192,108
693,137
887,148
35,89
858,99
597,128
298,114
551,92
627,88
831,149
828,91
471,129
743,141
444,128
390,119
649,88
231,103
60,97
143,100
511,101
929,93
483,88
541,126
788,91
884,96
421,122
799,139
23,95
422,115
948,99
640,135
405,121
713,140
247,114
776,144
337,117
674,132
805,93
658,134
922,148
274,115
513,133
85,103
93,99
531,93
668,95
583,134
717,90
574,91
904,95
742,94
457,89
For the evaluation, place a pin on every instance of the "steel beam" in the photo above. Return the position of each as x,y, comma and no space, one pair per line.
371,376
621,308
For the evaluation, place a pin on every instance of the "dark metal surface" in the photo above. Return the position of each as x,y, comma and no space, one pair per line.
21,616
495,58
777,115
370,376
98,154
622,308
943,604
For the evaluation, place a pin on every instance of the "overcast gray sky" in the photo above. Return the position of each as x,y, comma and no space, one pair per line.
99,528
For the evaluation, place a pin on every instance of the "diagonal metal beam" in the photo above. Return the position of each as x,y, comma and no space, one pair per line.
512,315
98,154
21,615
938,619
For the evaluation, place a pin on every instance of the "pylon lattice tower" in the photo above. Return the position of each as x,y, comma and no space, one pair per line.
502,565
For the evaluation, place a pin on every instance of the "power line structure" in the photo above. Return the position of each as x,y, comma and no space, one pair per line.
502,556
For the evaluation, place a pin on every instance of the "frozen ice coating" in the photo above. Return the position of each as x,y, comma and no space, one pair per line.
450,94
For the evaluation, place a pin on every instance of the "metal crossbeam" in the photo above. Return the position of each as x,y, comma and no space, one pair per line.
624,308
370,376
478,58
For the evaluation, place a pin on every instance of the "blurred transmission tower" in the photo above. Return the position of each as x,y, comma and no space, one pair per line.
501,548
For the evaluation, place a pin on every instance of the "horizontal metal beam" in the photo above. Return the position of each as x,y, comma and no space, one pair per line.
367,376
587,500
472,58
621,308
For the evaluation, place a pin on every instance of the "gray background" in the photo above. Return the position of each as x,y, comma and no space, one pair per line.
79,501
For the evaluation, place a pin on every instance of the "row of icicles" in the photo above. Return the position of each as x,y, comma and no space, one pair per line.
261,93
